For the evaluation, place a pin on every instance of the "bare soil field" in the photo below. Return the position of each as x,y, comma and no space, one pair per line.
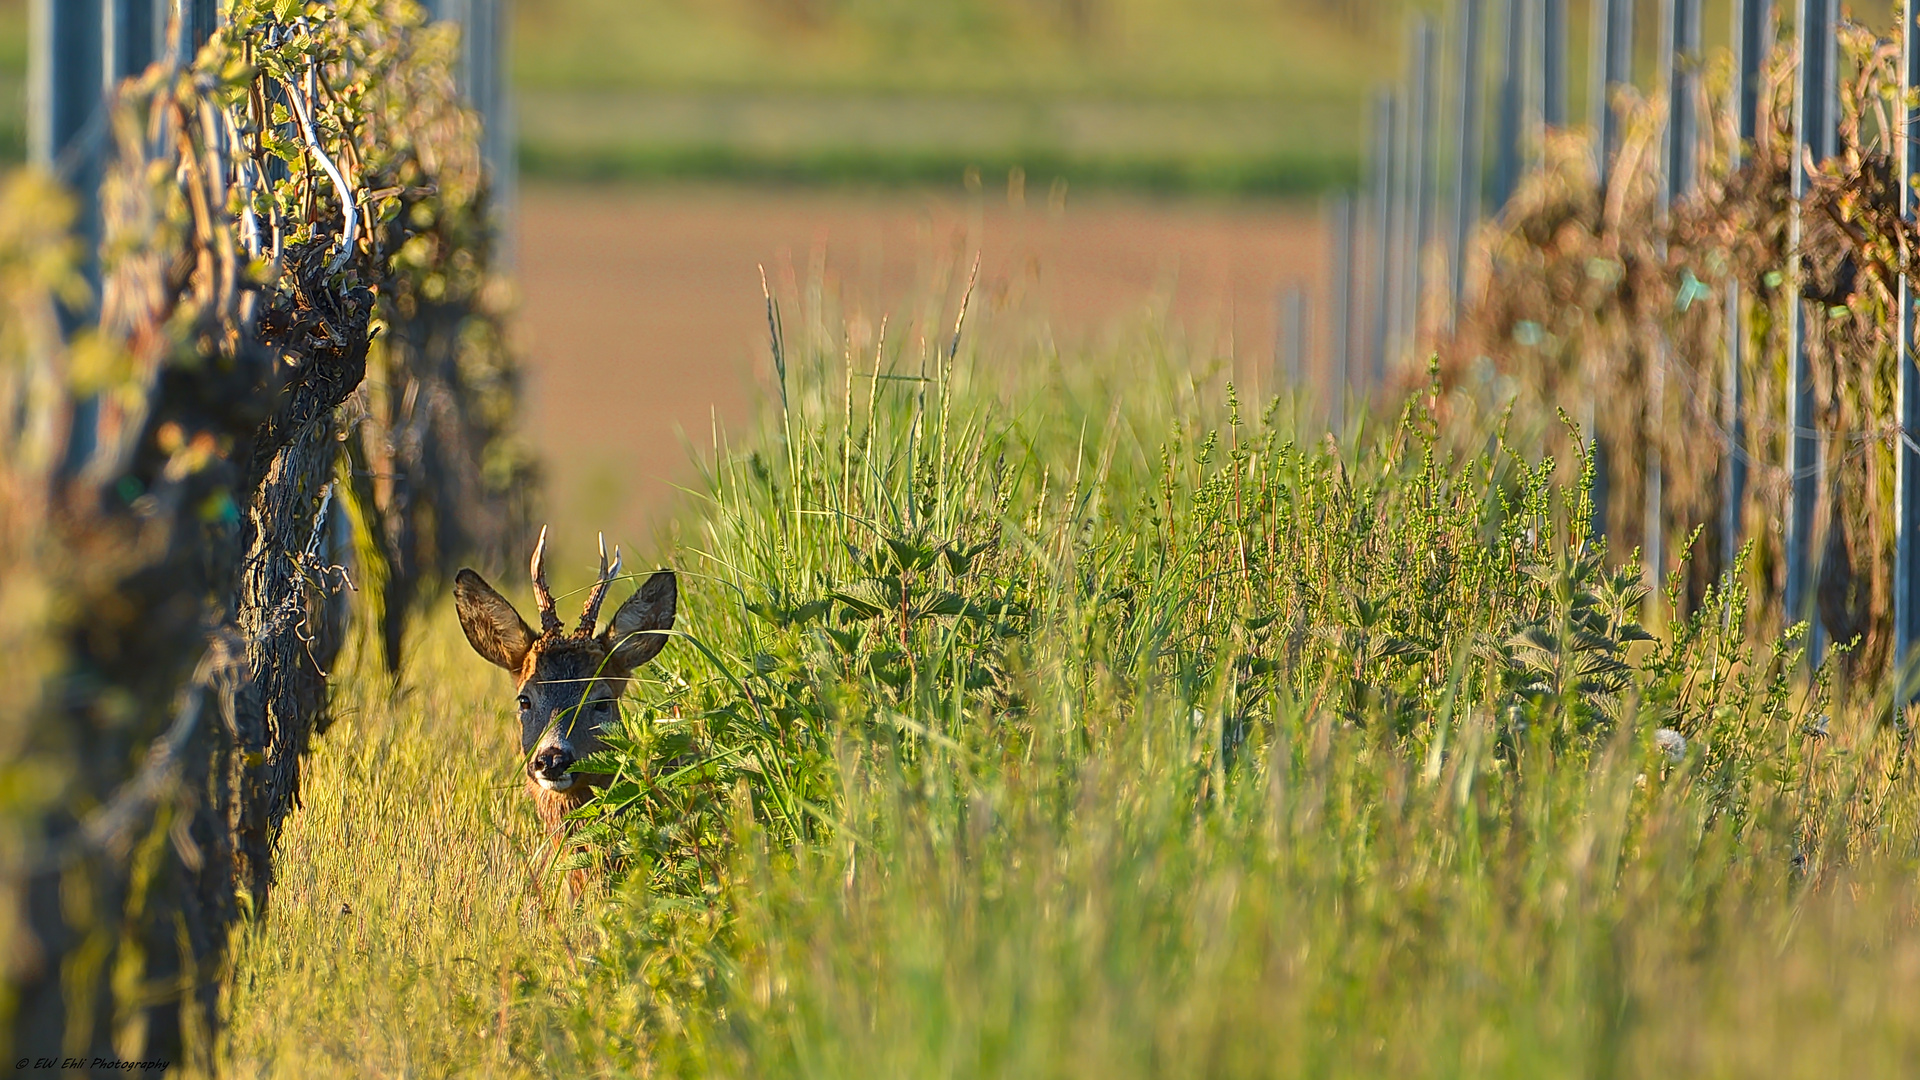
643,325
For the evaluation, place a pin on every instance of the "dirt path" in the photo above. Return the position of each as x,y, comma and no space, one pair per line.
642,315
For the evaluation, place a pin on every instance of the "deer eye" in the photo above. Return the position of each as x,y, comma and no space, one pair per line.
525,703
601,705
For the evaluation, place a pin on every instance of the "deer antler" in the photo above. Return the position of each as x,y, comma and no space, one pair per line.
591,616
549,618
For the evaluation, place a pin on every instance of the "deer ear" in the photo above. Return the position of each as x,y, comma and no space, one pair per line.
633,637
494,629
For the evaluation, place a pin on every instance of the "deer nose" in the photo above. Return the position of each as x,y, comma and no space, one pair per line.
552,763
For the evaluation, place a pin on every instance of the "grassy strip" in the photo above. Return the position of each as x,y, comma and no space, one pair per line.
1096,730
1276,48
1290,174
1043,718
410,934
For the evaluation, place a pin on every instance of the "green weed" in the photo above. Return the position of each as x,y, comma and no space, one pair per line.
1060,719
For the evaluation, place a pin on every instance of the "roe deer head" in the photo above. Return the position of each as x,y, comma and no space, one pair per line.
565,684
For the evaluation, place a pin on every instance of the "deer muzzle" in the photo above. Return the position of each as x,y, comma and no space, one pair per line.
550,767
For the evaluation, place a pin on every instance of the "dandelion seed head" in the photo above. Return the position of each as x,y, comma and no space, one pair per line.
1671,743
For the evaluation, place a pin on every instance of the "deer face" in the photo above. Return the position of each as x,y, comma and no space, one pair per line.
565,685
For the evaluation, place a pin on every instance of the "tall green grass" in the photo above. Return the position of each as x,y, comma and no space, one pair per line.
1070,722
1064,718
408,931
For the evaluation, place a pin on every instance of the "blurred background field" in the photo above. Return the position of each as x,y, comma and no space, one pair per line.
644,323
1220,95
1115,160
1248,97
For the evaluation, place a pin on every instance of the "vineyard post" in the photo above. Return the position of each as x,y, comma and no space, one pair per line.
1653,464
1552,16
1340,311
1513,82
131,36
79,50
1466,187
1385,138
483,81
1906,567
1405,144
1290,344
1680,43
1750,23
1420,166
1682,53
198,20
1612,66
1813,138
65,124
